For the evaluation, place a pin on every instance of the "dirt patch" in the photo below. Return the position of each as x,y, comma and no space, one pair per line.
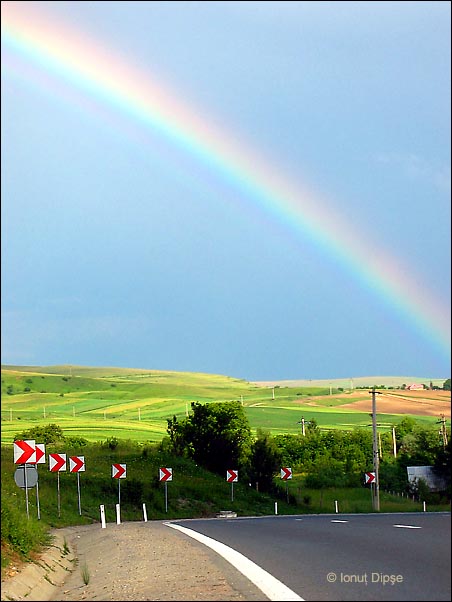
132,561
416,403
37,580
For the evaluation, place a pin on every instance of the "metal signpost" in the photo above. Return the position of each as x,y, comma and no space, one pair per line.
165,475
369,477
232,476
40,459
77,464
57,463
119,471
25,452
286,474
26,477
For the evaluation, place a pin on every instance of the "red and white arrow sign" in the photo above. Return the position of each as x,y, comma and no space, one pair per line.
76,463
57,462
232,476
118,471
165,474
369,477
286,473
25,452
40,453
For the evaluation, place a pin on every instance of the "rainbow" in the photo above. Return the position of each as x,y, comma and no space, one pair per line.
97,73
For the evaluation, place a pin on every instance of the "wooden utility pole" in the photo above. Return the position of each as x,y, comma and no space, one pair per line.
376,491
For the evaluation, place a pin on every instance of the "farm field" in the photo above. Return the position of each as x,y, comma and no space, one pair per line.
98,403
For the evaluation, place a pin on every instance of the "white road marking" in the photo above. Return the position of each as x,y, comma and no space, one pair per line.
269,585
406,527
339,521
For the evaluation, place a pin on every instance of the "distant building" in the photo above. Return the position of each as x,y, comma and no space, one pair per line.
426,473
415,387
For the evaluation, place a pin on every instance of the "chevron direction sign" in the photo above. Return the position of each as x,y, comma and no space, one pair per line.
286,473
25,452
165,474
118,471
40,453
76,463
232,476
369,477
57,462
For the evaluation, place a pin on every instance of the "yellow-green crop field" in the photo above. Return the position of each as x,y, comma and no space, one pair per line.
98,403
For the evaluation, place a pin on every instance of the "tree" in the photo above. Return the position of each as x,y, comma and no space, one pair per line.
442,466
446,385
216,435
265,461
325,472
419,447
405,426
51,433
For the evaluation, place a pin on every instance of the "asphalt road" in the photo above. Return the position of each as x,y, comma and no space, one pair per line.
344,557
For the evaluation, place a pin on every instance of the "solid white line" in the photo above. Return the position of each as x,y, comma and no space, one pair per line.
406,527
269,585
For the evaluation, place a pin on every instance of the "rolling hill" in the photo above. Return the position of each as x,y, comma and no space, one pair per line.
96,403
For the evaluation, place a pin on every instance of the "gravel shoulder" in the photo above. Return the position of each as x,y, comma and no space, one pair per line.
131,561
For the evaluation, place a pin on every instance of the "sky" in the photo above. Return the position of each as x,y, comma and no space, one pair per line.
254,189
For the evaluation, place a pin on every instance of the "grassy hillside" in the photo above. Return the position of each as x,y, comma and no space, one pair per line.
96,403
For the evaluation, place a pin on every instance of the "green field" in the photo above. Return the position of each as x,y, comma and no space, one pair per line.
98,403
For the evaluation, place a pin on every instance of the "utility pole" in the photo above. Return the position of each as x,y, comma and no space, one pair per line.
376,496
394,443
443,430
303,422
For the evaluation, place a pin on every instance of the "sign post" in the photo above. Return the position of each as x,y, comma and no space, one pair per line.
57,463
77,464
165,475
25,451
376,492
40,459
286,474
369,477
119,471
231,477
26,477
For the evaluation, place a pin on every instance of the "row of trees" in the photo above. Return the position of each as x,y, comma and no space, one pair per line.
218,437
430,386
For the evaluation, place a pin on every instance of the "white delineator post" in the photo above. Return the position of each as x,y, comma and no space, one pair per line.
118,514
145,515
102,516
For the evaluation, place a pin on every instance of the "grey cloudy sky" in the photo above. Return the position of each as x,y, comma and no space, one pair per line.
128,240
